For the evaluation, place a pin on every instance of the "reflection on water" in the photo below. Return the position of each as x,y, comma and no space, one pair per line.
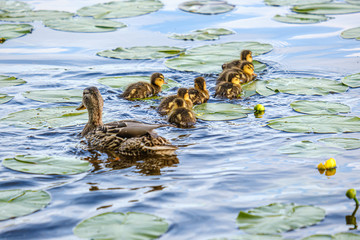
351,219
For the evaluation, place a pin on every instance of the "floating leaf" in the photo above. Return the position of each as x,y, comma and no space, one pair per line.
203,34
293,2
252,237
14,6
356,2
123,81
17,202
46,117
206,6
46,164
338,236
346,143
120,9
279,217
352,80
258,86
319,107
81,24
6,81
306,86
300,18
146,52
209,58
326,8
29,16
351,33
307,149
316,124
9,31
129,226
58,95
220,111
4,98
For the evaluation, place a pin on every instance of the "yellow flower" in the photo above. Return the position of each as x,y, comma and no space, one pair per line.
330,163
321,166
351,193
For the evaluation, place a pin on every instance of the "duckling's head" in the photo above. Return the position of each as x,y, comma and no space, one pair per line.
234,78
199,83
91,100
178,103
183,93
157,79
248,68
246,55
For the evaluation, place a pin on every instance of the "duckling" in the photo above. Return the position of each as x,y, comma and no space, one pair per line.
231,88
245,55
127,137
143,89
245,71
180,115
167,103
199,94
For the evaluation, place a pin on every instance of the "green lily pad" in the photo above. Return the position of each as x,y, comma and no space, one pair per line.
306,86
220,111
356,2
81,24
46,117
338,236
307,149
9,31
316,124
346,143
129,226
326,8
146,52
351,33
203,34
293,2
17,202
254,87
209,58
14,6
6,81
319,107
352,80
120,9
206,6
46,164
29,16
53,96
252,237
124,81
279,217
300,18
4,98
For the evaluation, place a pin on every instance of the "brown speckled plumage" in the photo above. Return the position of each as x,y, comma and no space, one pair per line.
144,89
168,102
231,88
245,55
180,115
244,76
199,94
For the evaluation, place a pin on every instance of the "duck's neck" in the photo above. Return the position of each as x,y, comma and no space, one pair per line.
156,88
95,120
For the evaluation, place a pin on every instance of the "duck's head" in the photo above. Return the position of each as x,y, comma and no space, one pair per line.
178,103
157,79
183,93
91,100
234,78
200,84
246,55
248,68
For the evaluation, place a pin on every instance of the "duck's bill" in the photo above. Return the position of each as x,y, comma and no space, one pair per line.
81,107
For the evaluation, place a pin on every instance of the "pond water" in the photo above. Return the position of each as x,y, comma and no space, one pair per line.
221,167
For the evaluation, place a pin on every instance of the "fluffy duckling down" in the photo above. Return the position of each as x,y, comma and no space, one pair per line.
246,73
199,94
245,55
180,115
231,88
167,103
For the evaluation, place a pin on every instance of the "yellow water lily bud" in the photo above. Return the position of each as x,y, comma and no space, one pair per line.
351,193
321,166
321,171
330,163
259,108
330,172
258,114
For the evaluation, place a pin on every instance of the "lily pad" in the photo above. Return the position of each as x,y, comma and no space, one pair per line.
300,18
4,98
6,81
14,6
307,149
319,107
46,164
124,81
209,58
306,86
206,6
9,31
29,16
17,202
81,24
220,111
356,2
52,96
203,34
352,80
252,237
279,217
254,87
46,117
351,33
129,226
120,9
346,143
146,52
316,124
327,8
293,2
338,236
